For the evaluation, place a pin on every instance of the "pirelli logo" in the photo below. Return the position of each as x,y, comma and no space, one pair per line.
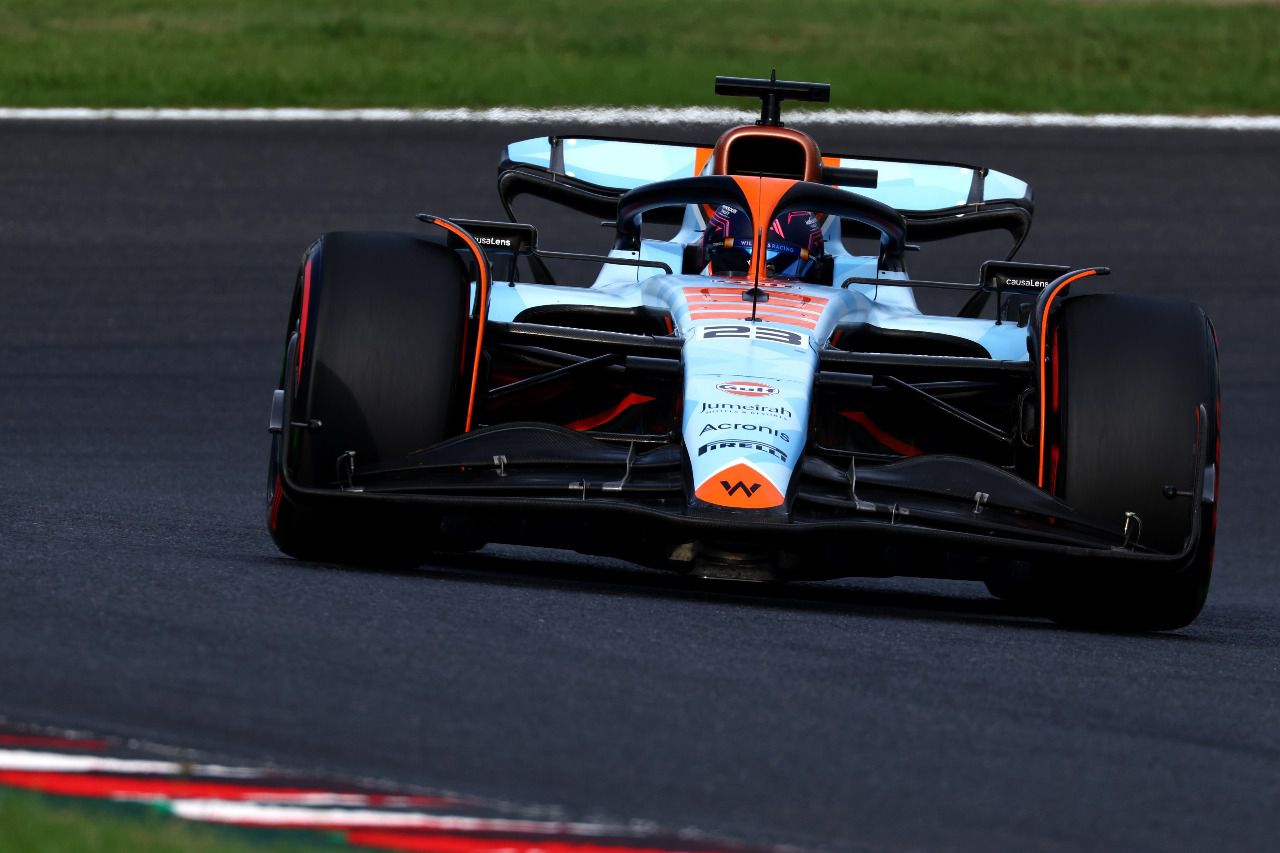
742,444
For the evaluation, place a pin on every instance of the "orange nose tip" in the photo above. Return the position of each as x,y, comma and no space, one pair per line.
741,487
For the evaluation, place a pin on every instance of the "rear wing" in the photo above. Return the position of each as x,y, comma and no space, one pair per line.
937,200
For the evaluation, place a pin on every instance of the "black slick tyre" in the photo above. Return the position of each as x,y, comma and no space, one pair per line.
374,372
1135,374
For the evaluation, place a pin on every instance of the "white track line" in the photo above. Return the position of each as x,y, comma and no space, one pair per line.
650,115
257,814
53,762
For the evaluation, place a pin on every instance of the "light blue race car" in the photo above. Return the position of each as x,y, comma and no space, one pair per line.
749,399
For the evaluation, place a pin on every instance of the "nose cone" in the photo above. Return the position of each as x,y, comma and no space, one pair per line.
739,486
744,431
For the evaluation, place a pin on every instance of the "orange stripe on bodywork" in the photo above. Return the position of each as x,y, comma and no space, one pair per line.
734,294
745,310
731,304
785,319
700,158
725,290
799,298
482,309
715,294
726,303
1044,342
789,311
724,297
763,195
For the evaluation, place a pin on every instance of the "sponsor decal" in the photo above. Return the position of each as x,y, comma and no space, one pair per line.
768,430
780,412
1011,275
769,334
747,389
739,486
743,445
500,236
1034,283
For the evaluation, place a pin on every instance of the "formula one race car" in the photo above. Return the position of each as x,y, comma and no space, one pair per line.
749,399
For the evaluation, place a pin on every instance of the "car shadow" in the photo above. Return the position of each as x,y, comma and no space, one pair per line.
875,598
895,598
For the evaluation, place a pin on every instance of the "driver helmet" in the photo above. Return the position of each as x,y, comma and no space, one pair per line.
794,241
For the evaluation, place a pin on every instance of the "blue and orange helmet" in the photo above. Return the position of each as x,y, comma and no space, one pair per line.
793,243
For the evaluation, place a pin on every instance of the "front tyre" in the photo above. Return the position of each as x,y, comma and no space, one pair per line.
373,372
1135,374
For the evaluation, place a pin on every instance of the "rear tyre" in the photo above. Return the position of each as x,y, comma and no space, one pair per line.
1134,372
380,376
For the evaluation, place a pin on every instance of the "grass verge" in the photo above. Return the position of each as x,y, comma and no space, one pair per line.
30,823
1019,55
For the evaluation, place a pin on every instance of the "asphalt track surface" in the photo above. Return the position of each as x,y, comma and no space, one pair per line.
145,274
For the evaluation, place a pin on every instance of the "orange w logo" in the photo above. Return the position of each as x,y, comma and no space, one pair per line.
733,490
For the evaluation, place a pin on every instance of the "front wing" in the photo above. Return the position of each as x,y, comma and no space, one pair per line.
629,497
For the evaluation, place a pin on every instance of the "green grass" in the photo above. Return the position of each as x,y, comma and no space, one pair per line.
30,823
1206,57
